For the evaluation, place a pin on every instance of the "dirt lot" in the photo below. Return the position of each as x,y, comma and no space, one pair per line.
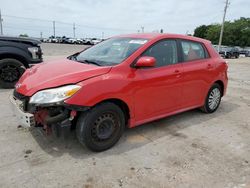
191,149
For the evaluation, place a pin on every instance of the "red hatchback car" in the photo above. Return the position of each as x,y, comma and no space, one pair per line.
124,81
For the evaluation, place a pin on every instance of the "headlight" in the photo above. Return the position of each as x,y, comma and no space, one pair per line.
54,95
33,51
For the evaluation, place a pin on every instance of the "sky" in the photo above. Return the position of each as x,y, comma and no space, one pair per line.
105,18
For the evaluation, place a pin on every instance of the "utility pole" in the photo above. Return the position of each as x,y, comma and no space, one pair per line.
74,30
142,29
222,25
54,28
1,24
41,35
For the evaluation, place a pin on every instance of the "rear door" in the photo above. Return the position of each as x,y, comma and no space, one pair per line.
197,73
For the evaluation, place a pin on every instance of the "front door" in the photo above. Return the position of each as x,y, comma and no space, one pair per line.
158,89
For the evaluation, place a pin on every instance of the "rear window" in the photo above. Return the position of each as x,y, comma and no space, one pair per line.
193,51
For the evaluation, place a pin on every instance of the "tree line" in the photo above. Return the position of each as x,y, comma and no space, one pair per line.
236,33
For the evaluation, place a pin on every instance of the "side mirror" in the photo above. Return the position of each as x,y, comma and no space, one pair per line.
145,61
73,57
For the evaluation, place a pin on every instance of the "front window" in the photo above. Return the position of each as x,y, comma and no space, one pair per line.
165,53
111,52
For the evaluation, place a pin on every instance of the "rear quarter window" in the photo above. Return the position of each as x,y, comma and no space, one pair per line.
193,51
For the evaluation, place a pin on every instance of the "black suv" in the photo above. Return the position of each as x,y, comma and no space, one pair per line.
229,52
17,54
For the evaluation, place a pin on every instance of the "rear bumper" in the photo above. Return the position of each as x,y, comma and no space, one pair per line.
23,118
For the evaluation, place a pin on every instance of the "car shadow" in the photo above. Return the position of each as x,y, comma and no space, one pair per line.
132,138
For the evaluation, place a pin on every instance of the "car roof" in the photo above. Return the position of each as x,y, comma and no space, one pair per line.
152,36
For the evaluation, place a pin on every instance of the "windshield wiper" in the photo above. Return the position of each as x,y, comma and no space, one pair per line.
90,62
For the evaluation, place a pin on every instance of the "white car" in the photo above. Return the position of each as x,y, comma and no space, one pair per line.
96,41
72,41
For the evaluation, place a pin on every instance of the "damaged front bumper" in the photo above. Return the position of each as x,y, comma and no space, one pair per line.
51,117
24,119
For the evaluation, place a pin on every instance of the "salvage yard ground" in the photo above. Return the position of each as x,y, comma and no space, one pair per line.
190,149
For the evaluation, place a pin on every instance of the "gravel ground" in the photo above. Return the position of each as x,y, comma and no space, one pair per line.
190,149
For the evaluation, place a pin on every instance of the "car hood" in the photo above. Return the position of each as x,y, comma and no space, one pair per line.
26,40
56,73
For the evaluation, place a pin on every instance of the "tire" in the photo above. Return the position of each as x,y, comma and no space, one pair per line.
212,104
10,72
100,127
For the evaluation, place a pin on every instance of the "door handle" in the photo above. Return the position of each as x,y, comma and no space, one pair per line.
209,66
177,73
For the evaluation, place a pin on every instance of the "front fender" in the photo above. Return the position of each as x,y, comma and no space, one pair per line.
101,88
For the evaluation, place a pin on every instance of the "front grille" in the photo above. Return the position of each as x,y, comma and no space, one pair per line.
23,98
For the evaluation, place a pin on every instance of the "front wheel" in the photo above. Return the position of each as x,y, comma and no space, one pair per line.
10,72
101,127
213,99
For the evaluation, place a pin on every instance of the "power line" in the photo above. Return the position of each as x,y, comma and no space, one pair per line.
66,23
25,18
222,25
104,28
28,29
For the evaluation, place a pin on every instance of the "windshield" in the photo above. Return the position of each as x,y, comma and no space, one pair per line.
111,52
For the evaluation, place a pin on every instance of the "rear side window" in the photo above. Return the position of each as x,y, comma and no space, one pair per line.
192,51
165,53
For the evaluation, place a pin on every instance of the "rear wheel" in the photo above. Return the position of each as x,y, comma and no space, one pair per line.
101,127
10,72
213,99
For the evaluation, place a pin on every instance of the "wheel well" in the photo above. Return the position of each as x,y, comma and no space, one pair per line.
17,57
124,107
221,85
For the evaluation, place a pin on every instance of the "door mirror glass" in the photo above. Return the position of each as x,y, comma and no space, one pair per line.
145,61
